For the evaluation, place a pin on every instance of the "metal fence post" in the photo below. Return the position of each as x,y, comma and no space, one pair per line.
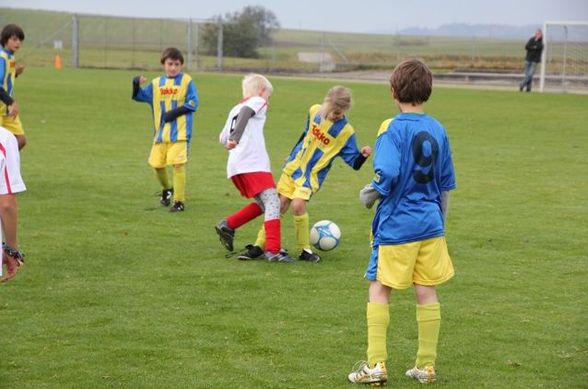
323,42
189,44
197,48
75,41
564,60
219,47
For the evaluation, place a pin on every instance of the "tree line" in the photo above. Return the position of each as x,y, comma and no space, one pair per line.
243,32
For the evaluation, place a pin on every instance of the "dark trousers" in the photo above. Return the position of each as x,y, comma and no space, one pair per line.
530,67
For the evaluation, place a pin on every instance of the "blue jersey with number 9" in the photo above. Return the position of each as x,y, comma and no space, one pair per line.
412,165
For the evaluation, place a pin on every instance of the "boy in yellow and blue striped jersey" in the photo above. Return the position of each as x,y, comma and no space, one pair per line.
11,38
326,136
173,98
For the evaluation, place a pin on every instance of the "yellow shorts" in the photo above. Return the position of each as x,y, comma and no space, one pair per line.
425,262
289,188
12,124
166,154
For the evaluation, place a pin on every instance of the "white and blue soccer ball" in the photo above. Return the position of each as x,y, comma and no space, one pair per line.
325,235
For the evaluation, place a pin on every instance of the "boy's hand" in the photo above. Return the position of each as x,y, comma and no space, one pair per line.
368,195
167,117
13,109
231,144
366,151
19,69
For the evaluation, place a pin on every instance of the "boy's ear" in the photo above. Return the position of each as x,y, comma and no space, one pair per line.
393,93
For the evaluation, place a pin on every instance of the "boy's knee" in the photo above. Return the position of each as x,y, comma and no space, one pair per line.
379,293
22,141
298,207
284,204
425,294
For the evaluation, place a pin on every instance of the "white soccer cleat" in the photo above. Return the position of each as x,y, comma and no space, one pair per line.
426,375
363,374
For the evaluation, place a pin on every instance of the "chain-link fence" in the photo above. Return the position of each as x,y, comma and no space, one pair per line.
136,43
117,42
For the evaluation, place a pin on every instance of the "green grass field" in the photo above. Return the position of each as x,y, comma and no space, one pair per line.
118,292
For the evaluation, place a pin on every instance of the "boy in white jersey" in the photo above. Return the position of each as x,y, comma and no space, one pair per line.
249,168
11,183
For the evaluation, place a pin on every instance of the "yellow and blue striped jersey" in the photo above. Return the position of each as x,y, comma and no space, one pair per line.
165,94
7,75
322,141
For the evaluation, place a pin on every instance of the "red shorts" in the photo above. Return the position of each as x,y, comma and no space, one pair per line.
252,184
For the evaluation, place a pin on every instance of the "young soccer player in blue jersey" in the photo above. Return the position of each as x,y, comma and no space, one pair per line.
173,98
11,39
327,135
413,176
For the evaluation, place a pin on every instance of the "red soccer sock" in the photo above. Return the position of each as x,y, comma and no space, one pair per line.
245,214
272,236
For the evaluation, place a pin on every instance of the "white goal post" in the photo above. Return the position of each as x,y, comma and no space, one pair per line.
564,61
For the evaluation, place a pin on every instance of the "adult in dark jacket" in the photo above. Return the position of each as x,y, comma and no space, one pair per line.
534,48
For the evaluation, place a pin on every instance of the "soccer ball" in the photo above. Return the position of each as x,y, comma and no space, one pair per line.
325,235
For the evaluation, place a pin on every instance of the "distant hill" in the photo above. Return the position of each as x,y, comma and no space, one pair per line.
489,31
492,31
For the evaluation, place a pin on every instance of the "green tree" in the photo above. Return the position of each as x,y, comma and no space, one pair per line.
243,32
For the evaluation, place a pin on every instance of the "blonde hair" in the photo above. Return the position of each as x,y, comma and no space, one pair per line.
336,103
253,84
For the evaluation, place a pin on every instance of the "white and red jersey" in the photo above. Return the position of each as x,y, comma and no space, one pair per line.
10,179
250,154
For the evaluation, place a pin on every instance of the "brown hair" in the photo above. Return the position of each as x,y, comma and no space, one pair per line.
172,53
9,31
411,82
336,103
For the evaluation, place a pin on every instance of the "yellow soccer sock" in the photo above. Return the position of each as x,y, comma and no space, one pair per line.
301,227
428,321
260,242
378,319
163,178
180,183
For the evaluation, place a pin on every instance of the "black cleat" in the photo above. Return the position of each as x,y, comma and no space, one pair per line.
166,196
225,234
307,255
177,207
250,252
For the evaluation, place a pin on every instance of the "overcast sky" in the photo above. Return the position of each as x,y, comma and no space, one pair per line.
338,15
